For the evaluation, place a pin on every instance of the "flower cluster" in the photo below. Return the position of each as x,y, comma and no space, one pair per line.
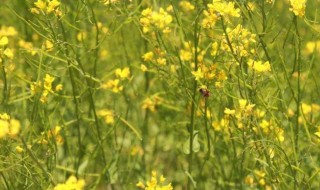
115,84
7,53
46,7
258,66
218,9
44,88
186,6
107,115
71,184
8,126
155,21
155,183
52,134
242,42
151,103
298,7
156,57
257,179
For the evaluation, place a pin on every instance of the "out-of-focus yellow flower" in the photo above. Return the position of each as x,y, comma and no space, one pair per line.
19,149
9,126
9,53
155,183
107,115
113,85
81,36
40,4
259,66
228,111
4,41
71,184
52,5
186,6
151,103
143,68
198,74
123,73
155,20
48,45
59,87
148,56
8,31
298,7
216,9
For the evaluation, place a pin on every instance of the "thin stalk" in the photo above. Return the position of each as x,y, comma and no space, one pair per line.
298,63
193,105
73,84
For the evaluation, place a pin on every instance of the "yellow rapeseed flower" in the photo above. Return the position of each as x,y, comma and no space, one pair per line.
4,40
123,73
298,7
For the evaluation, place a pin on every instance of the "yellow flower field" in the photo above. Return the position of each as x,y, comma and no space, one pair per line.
159,95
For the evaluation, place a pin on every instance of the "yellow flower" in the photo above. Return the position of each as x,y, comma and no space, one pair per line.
143,68
259,66
52,5
107,115
81,36
59,87
8,126
298,7
148,56
186,6
40,4
71,184
4,128
113,85
4,41
48,45
154,184
123,73
161,61
14,127
8,52
19,149
198,74
228,111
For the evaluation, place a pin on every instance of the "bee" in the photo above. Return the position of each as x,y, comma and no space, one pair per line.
205,92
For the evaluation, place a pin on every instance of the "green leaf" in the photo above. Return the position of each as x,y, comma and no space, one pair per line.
195,146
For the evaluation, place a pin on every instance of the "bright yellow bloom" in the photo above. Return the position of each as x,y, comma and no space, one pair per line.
259,66
198,74
217,9
143,68
71,184
4,128
8,126
154,184
9,53
59,87
4,41
298,7
228,111
113,85
123,73
40,4
52,5
148,56
8,31
155,20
